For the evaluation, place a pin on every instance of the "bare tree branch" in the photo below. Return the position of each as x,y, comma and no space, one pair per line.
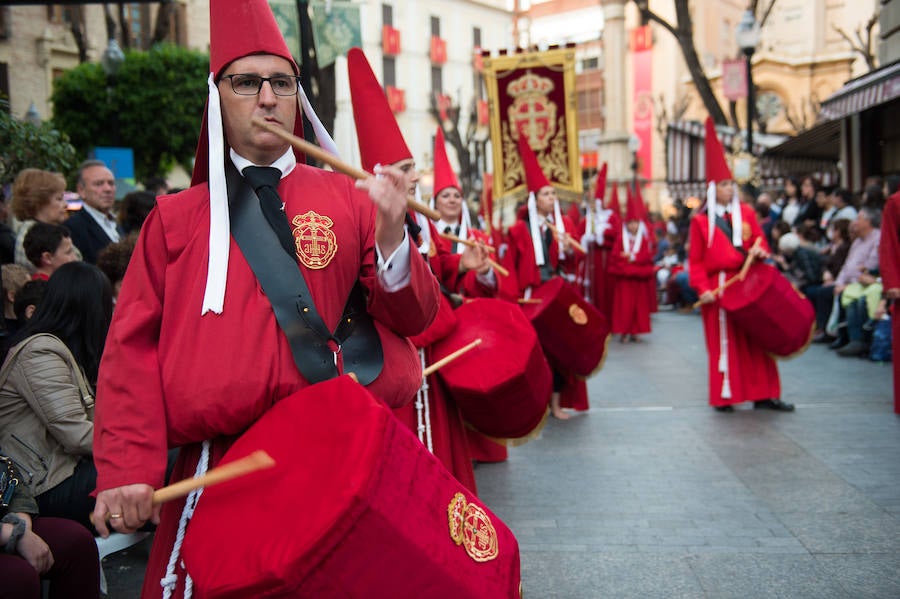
862,45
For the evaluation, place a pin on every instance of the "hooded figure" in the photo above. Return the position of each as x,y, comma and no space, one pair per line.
722,234
191,362
433,416
631,267
445,179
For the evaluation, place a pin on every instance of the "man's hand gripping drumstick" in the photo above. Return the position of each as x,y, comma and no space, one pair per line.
127,508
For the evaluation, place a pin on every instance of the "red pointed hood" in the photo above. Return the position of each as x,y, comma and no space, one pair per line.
614,200
716,166
239,28
444,176
379,137
534,175
600,191
635,209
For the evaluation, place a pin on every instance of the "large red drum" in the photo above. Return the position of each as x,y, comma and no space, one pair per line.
572,332
775,316
502,386
355,507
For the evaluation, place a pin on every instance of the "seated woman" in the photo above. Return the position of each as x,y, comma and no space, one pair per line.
37,197
46,391
41,548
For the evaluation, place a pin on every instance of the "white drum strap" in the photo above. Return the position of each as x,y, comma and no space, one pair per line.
723,345
169,581
423,415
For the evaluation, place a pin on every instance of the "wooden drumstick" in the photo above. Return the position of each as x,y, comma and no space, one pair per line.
530,300
334,162
467,242
258,460
572,241
446,360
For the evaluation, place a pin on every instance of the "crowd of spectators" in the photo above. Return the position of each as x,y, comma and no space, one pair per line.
57,306
823,239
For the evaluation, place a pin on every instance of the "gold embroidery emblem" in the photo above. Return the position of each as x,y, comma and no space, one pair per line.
455,512
432,249
314,240
479,536
745,231
577,314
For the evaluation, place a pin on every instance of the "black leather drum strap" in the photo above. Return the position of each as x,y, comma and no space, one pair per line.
282,281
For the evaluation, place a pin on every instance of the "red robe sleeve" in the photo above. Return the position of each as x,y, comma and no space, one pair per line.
697,275
136,417
889,248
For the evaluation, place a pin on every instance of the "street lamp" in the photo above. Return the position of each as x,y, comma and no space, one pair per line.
111,61
747,39
634,146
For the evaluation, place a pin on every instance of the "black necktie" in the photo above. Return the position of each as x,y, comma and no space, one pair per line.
264,181
448,229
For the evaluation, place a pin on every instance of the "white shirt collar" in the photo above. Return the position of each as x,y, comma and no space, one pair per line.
285,164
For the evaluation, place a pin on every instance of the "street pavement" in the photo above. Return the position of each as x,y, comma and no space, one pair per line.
654,494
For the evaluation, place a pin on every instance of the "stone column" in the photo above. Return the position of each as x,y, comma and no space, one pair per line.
613,145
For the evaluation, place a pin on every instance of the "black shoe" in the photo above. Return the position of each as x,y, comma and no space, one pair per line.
773,404
838,343
724,408
822,337
854,348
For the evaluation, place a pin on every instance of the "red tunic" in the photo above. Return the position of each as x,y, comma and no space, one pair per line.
631,306
171,377
889,257
752,373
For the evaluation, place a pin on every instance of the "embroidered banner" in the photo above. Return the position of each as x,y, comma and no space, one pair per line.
533,93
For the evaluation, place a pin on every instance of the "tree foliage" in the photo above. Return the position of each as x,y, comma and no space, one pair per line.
154,105
32,146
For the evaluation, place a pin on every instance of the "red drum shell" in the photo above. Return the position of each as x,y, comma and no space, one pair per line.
572,332
355,507
502,386
771,313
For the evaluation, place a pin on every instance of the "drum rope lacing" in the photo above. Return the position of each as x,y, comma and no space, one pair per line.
170,580
423,414
723,345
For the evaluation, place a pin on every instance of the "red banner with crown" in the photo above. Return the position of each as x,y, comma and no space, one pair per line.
533,94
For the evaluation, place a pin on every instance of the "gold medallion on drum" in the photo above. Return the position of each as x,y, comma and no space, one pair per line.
479,535
455,512
577,314
315,242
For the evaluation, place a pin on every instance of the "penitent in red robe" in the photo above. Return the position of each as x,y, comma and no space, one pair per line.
444,430
752,373
889,257
631,304
522,264
171,377
597,279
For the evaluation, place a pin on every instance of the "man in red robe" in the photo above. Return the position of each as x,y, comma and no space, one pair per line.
601,226
433,416
889,256
539,249
195,354
631,266
722,235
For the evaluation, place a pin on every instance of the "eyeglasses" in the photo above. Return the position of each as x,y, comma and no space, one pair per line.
249,85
